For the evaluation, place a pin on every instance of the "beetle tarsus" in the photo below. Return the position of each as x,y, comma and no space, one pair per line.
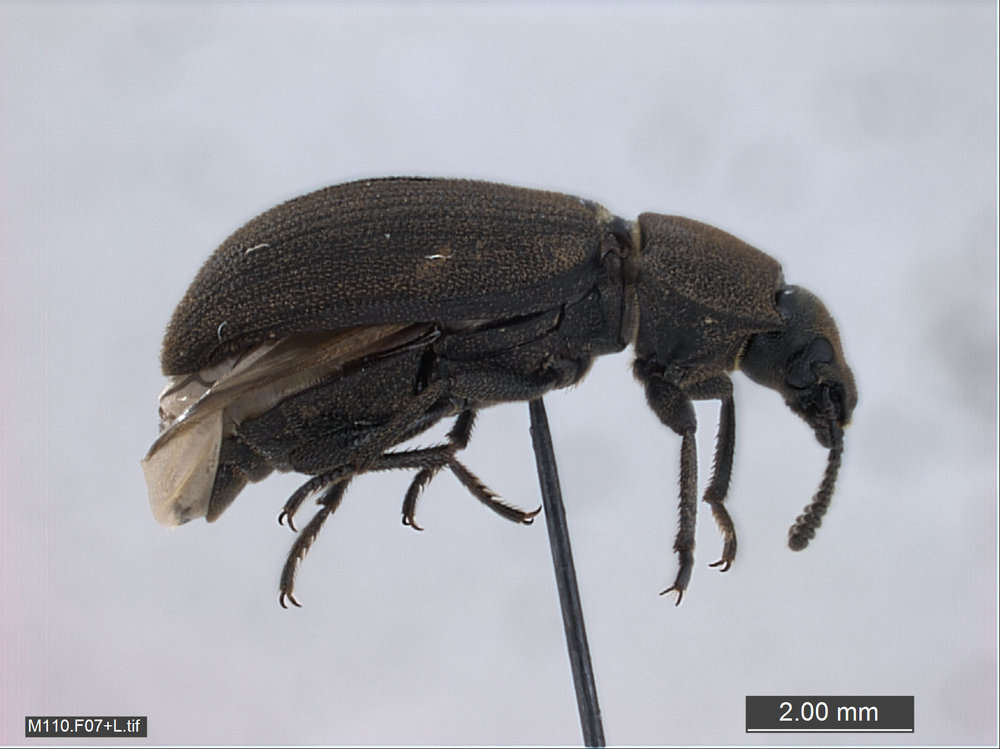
410,522
726,562
725,523
486,495
410,500
683,575
285,515
674,589
529,517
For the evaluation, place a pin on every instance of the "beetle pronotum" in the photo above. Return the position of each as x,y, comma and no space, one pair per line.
337,325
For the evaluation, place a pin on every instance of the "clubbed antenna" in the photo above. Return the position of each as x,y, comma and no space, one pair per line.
805,525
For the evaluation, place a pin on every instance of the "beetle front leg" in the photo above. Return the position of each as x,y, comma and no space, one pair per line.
715,494
675,410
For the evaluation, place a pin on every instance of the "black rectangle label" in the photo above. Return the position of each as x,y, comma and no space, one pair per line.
85,726
828,714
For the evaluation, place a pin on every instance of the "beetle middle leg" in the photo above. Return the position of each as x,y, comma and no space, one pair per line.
458,439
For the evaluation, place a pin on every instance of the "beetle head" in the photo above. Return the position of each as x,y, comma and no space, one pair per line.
804,362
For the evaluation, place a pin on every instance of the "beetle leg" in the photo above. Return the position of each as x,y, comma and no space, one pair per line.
470,481
333,484
458,439
674,408
330,500
312,485
444,454
715,494
420,458
369,454
483,493
688,511
420,481
398,428
461,430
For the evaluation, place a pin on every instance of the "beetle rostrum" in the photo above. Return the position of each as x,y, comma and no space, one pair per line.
335,326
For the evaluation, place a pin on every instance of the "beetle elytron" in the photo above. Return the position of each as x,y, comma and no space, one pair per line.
335,326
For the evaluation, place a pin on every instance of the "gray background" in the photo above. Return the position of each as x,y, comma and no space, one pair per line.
854,142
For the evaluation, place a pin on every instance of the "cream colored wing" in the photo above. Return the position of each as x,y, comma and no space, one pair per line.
198,410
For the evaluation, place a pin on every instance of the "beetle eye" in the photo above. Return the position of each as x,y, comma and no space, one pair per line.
784,300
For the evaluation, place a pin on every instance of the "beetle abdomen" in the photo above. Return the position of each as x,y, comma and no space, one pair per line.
386,251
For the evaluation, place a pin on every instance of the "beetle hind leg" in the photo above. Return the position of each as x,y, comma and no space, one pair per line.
332,484
317,483
329,501
458,439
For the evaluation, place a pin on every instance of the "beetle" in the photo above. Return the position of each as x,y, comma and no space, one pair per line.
339,324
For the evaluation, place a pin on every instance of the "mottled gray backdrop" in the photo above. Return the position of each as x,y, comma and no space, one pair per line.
854,142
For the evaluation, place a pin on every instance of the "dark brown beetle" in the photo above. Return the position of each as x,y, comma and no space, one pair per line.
337,325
